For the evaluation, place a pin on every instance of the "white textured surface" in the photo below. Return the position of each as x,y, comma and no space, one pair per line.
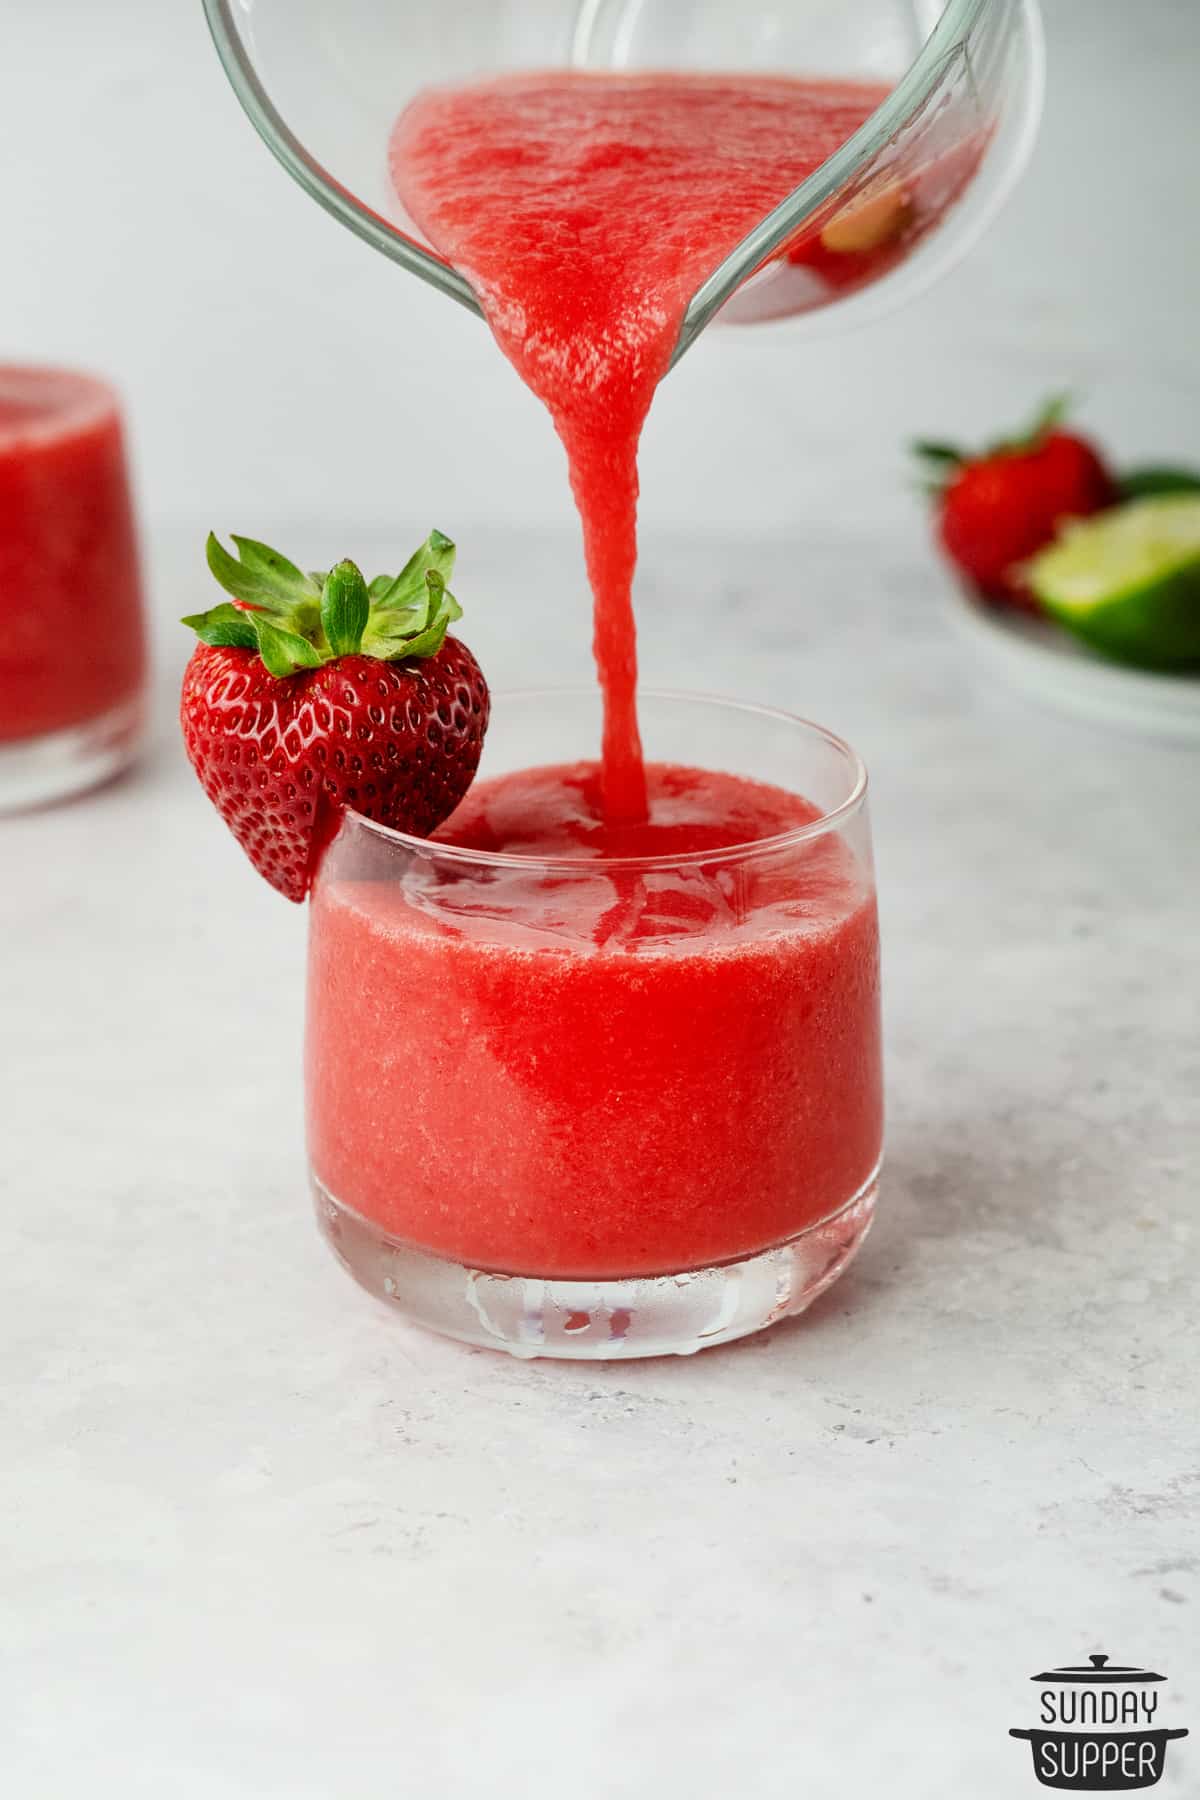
261,1541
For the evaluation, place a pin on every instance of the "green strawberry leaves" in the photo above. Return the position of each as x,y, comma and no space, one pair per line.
1050,415
285,652
940,461
419,627
270,566
224,625
1158,478
300,621
260,577
435,556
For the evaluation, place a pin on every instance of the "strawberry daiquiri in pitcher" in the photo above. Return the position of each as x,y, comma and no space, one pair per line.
593,1050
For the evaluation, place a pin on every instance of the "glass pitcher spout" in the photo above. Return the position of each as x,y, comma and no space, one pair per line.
899,202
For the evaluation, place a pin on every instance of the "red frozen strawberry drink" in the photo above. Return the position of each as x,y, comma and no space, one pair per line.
72,653
583,1089
593,1048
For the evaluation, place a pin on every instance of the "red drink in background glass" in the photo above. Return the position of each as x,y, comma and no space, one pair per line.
72,651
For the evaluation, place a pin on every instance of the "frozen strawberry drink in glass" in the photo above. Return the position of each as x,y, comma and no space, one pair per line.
593,1058
595,1072
593,1090
72,653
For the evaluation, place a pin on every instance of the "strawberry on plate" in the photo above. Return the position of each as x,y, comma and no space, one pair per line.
310,694
997,509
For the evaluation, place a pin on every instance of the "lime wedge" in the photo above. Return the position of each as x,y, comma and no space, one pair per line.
1128,581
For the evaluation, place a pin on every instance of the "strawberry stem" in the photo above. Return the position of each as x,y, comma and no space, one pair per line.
345,609
297,621
1051,416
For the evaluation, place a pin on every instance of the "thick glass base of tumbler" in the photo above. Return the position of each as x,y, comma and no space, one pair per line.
38,770
646,1315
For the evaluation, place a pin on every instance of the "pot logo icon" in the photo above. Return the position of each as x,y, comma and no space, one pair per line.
1098,1729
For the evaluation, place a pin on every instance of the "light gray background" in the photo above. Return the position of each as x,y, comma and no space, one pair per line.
257,1543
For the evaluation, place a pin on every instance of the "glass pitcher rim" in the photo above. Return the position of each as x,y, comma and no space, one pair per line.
955,24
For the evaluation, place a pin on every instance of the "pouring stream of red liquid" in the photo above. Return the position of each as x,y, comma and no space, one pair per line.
585,209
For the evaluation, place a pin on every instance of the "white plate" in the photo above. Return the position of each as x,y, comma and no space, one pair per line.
1047,662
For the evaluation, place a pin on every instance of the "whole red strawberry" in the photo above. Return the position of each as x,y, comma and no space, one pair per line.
315,693
998,509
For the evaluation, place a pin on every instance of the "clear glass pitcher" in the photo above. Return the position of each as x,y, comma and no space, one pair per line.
323,82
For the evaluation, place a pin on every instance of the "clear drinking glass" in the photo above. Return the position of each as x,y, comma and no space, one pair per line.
898,203
73,649
602,1107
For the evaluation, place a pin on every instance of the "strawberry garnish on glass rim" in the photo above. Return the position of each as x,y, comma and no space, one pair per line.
997,508
312,693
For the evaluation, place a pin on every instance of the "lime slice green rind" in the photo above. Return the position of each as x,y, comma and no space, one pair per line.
1127,581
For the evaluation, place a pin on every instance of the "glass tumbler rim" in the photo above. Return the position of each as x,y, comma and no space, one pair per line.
833,818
